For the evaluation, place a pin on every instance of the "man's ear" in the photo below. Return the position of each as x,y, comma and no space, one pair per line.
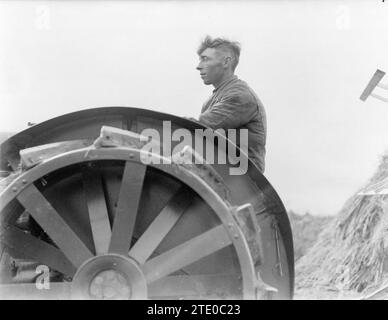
227,61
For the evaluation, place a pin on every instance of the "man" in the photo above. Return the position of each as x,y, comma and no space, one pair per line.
233,104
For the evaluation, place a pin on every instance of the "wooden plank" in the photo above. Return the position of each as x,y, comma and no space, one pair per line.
110,137
54,225
34,155
127,207
28,247
160,227
378,75
98,213
185,254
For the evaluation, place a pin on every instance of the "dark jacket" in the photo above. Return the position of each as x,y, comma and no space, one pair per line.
235,105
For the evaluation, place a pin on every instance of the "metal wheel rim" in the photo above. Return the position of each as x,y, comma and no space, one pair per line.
133,155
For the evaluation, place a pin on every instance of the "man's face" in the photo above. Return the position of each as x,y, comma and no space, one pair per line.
211,66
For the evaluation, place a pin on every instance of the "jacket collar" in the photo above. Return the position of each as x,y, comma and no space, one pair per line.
225,82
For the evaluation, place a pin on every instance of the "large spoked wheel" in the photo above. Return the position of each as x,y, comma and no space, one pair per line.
108,226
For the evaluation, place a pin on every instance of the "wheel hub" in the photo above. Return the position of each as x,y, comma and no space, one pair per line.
111,277
110,284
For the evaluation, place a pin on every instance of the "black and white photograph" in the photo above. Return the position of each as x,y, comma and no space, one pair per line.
212,150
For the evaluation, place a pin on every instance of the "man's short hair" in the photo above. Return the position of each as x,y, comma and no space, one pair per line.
232,47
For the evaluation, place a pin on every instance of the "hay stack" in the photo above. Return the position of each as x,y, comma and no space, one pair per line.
351,253
305,230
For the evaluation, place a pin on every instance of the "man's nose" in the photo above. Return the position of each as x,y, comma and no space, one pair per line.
199,66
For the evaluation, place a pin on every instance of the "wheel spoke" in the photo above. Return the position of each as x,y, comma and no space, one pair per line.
56,290
98,213
127,207
54,225
186,253
161,225
197,286
25,246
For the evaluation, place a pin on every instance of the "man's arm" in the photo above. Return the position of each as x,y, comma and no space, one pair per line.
234,110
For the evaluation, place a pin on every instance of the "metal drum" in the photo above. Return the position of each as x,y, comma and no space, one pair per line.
83,216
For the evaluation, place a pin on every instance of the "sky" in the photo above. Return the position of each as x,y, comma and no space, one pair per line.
308,61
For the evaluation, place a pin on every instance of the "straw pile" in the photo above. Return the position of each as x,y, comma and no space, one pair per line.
351,253
305,230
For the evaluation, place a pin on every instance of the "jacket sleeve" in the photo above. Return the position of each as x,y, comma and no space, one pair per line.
233,111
